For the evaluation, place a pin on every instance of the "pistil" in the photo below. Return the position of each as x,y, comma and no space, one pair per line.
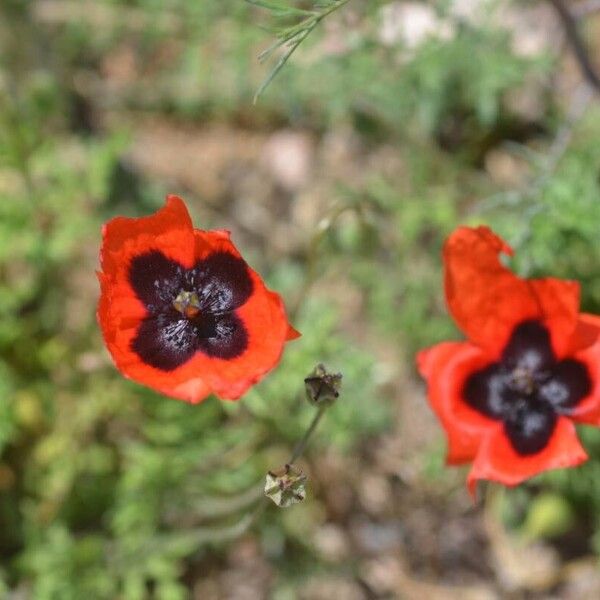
523,380
187,303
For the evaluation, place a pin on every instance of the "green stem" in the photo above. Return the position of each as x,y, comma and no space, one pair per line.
299,449
313,255
331,9
202,535
292,38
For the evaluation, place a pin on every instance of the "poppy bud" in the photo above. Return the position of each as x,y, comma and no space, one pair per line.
286,486
322,387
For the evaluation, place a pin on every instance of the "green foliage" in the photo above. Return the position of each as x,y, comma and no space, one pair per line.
291,36
358,408
559,232
430,90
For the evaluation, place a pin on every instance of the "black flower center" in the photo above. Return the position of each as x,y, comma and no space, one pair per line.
189,310
527,389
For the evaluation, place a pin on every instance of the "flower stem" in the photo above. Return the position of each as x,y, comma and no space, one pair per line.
301,445
312,254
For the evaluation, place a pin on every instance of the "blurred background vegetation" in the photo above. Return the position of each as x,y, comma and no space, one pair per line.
392,123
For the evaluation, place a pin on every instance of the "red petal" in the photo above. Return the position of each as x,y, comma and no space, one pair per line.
169,229
586,333
207,242
586,349
265,319
292,334
498,461
487,300
446,367
558,301
588,409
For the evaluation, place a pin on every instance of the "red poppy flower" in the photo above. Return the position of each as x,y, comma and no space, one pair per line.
182,312
508,397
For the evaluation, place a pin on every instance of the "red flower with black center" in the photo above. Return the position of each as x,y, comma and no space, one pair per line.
182,312
509,396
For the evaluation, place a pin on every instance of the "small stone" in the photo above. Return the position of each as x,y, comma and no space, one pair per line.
320,588
411,23
331,543
375,494
288,156
373,538
505,169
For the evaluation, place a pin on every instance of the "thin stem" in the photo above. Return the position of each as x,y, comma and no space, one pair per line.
580,102
588,7
291,37
313,255
212,507
301,445
579,48
332,8
294,43
200,536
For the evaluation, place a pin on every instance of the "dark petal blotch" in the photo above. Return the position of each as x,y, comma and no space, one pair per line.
527,389
166,341
486,391
569,383
155,279
222,281
229,340
529,426
528,348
